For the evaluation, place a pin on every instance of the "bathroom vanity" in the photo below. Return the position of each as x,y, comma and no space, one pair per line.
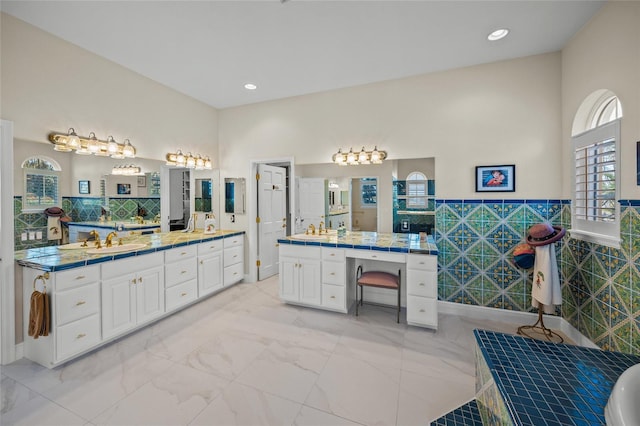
318,271
96,298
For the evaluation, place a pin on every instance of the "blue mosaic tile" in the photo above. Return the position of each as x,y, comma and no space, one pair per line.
543,383
465,415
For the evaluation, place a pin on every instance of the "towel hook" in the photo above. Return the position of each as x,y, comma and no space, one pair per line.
43,277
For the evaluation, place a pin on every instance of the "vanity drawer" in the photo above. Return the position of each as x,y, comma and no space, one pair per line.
77,303
422,283
181,294
210,247
333,254
300,251
77,276
383,256
233,255
233,241
422,311
333,297
333,273
77,336
422,262
180,271
130,265
233,273
180,253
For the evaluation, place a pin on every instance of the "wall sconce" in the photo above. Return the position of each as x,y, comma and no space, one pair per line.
356,158
126,169
91,145
188,160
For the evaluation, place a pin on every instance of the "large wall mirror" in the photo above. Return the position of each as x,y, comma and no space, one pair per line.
372,197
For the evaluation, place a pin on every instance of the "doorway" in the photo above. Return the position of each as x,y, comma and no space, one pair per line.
275,205
7,290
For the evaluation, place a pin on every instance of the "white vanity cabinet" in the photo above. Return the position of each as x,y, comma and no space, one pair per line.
75,313
300,274
233,259
132,293
334,279
181,276
422,290
210,267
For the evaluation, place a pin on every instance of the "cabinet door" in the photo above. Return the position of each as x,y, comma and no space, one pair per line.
149,288
310,285
118,305
210,273
289,278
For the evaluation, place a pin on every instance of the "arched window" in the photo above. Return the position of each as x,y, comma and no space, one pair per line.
41,184
416,190
596,143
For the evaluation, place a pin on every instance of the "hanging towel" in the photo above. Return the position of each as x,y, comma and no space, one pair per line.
546,281
54,231
39,316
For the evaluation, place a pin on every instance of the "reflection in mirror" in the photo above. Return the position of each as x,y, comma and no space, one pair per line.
203,195
234,195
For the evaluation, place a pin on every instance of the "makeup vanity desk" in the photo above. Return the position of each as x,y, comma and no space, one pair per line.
318,271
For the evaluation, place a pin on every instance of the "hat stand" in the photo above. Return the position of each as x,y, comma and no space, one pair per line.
539,328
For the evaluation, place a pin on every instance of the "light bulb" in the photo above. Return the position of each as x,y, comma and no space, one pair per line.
73,141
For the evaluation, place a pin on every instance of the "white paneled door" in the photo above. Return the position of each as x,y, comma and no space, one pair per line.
272,187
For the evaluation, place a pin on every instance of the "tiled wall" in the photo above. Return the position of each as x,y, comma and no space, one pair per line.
601,286
80,209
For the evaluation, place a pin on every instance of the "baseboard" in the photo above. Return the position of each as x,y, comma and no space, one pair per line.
516,317
19,350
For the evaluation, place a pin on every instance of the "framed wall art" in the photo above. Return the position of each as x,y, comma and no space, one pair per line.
124,188
142,181
84,187
496,178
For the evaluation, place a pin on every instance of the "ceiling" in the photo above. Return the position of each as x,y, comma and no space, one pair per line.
209,49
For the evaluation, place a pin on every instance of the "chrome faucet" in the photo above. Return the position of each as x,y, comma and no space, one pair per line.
109,238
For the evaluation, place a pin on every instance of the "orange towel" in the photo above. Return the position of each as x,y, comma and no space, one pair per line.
39,315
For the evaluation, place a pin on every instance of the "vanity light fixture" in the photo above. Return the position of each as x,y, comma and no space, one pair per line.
91,145
498,34
356,158
189,161
126,169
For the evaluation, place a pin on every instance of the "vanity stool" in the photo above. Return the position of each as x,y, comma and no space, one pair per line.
377,279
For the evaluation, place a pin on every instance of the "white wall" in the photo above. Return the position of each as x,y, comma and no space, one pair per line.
605,54
50,85
501,113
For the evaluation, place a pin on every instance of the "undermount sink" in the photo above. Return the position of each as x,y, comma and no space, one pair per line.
116,249
623,408
78,246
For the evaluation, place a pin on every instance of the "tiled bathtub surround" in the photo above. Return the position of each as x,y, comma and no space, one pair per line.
80,209
601,285
522,381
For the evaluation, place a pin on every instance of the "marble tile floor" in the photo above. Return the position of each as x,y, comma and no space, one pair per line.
244,358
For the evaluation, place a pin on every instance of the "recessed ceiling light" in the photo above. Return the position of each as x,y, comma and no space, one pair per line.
250,86
498,34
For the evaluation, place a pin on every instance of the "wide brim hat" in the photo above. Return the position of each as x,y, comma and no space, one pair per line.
54,212
542,234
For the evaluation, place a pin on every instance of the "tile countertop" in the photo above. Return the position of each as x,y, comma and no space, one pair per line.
401,243
544,383
114,225
53,259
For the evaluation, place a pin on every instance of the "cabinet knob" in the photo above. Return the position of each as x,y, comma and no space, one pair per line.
183,272
80,277
133,281
80,302
421,310
421,284
80,336
183,253
183,294
374,256
202,262
332,297
332,254
333,273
